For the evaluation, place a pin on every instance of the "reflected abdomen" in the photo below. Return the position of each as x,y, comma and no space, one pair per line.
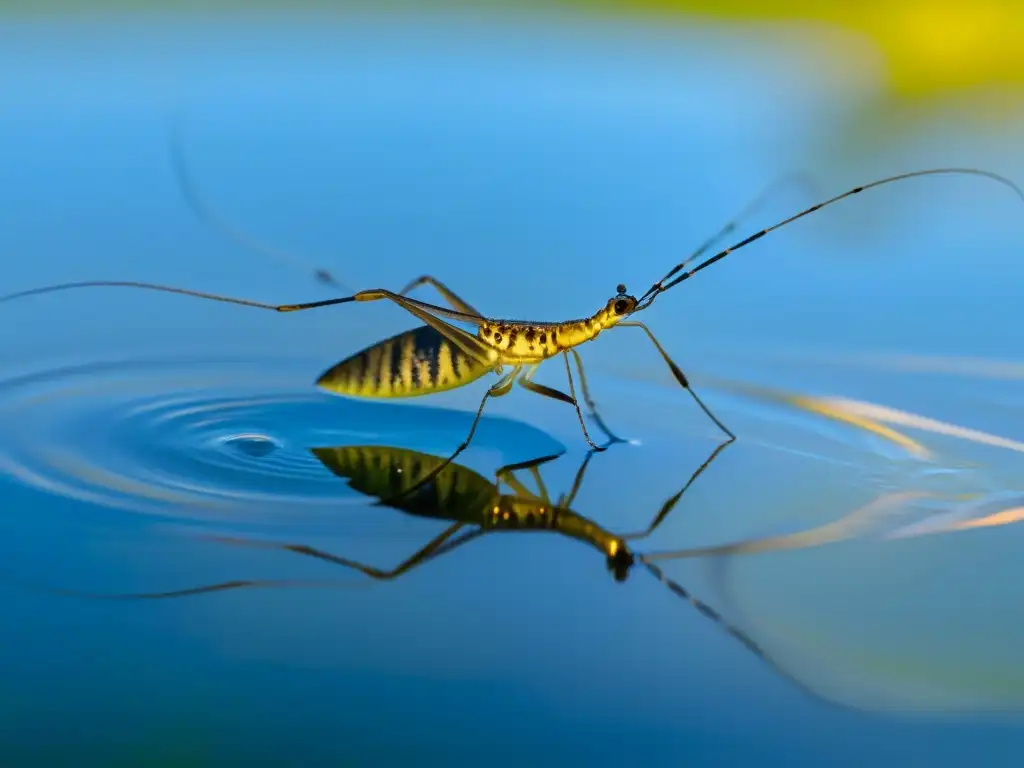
383,472
417,362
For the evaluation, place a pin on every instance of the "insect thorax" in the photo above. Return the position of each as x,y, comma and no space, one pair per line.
525,341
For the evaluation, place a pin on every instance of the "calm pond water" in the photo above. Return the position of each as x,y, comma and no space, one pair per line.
868,358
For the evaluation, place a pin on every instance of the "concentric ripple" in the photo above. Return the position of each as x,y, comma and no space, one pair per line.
209,439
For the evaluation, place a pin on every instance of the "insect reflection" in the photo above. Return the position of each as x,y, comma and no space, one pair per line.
476,506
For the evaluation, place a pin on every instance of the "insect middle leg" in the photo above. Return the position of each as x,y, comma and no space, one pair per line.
540,389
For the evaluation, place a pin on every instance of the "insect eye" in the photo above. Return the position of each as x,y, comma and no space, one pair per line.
620,306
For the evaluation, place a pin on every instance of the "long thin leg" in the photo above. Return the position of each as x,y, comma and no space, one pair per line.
590,402
677,372
501,388
555,394
670,504
223,586
566,501
429,313
452,298
438,546
441,543
206,214
519,489
506,474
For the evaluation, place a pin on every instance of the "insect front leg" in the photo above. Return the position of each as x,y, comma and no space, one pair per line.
679,375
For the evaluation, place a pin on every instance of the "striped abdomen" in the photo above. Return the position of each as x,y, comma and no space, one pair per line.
380,471
417,362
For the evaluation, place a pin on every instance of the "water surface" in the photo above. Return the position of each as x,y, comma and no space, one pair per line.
869,353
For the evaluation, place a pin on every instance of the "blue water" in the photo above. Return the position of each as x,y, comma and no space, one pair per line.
867,355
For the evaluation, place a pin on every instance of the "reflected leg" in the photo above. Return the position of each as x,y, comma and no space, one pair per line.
506,474
566,501
670,504
500,389
437,546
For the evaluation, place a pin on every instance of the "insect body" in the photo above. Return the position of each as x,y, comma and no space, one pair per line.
459,494
441,355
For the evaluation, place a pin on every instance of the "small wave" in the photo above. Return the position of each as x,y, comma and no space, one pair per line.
225,440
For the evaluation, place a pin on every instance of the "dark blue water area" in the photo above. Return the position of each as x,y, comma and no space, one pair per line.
516,634
840,585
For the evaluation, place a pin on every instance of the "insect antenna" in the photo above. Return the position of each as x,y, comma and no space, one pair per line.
661,286
207,215
740,636
796,178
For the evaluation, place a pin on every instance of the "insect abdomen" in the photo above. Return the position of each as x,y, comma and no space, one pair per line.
417,362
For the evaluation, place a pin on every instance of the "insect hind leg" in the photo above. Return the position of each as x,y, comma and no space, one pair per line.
440,544
555,394
450,296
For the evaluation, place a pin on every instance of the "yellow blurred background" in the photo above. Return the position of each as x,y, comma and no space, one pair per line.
930,47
